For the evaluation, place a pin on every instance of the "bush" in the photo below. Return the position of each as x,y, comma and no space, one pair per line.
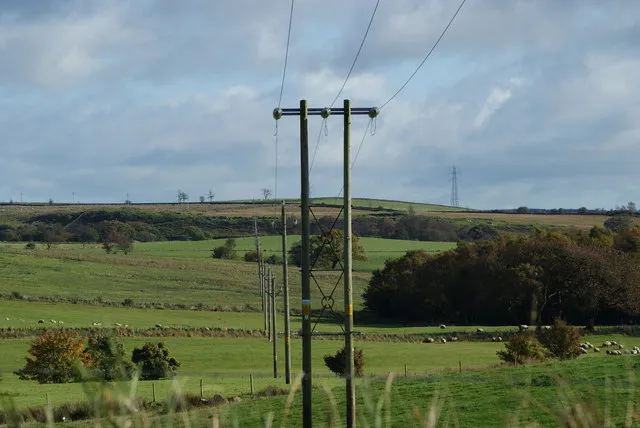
59,357
154,362
521,349
273,260
30,246
226,251
251,256
336,363
562,340
107,359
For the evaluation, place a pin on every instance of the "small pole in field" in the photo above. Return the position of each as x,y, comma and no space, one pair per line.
153,391
405,370
460,365
251,382
201,390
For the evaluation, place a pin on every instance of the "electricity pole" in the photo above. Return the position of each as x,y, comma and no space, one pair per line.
304,112
267,286
272,280
285,285
348,297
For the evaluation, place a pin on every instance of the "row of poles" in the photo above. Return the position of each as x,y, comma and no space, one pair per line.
268,293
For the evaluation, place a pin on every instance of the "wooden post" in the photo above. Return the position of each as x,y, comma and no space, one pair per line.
285,291
201,390
460,365
153,391
251,383
405,370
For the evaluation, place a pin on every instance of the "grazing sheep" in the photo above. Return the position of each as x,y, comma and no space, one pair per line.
596,349
480,330
40,321
620,346
7,319
158,325
443,326
53,321
606,343
583,351
430,339
443,340
614,343
546,327
499,338
118,324
523,327
493,339
454,338
60,322
635,352
96,324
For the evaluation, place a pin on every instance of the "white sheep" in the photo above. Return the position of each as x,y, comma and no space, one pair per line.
499,338
606,343
7,319
454,338
40,321
523,327
118,324
158,325
60,322
620,346
480,330
584,351
53,321
596,349
443,326
430,339
443,340
546,327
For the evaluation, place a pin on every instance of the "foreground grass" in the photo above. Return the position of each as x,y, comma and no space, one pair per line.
224,364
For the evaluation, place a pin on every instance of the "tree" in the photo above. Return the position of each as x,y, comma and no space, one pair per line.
58,357
583,210
225,251
108,359
211,195
182,196
522,349
117,235
522,210
202,199
327,250
562,340
154,362
618,222
628,240
266,193
631,207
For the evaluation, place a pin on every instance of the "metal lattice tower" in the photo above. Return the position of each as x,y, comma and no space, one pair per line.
454,187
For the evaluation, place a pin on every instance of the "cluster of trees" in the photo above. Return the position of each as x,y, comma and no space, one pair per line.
327,250
62,356
582,276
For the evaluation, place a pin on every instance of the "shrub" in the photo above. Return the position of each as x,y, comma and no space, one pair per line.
226,251
154,361
273,259
59,357
30,246
251,256
522,348
336,363
107,359
562,340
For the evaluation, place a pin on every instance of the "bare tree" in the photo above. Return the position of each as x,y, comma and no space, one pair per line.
266,193
201,199
211,195
182,196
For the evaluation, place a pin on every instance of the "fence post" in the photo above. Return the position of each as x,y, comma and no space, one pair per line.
153,391
201,390
460,364
251,382
405,370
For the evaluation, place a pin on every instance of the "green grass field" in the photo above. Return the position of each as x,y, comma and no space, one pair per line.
387,204
225,363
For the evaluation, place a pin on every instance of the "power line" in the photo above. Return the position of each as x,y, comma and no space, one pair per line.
353,64
284,74
427,56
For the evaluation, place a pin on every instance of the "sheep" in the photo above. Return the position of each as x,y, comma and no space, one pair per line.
596,349
546,327
606,343
614,343
583,351
53,321
96,324
430,339
620,346
443,340
158,325
7,319
635,352
493,339
443,326
523,327
40,321
454,338
480,330
60,322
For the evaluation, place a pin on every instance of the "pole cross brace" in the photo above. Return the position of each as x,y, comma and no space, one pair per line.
325,112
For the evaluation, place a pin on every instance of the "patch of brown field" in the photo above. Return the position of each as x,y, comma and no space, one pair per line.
14,212
576,220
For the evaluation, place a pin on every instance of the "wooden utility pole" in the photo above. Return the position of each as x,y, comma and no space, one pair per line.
304,112
274,335
285,291
267,287
348,297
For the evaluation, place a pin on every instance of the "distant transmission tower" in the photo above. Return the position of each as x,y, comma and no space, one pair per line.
454,187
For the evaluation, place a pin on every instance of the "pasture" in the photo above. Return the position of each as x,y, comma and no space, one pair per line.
224,364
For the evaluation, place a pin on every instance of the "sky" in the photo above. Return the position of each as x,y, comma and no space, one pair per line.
536,102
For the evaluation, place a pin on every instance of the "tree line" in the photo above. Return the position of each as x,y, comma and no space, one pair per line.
584,277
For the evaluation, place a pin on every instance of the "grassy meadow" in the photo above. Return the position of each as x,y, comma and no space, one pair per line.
224,364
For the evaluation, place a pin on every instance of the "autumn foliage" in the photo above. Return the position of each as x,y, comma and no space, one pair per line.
57,356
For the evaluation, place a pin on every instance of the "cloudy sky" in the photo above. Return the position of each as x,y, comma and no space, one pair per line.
537,102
